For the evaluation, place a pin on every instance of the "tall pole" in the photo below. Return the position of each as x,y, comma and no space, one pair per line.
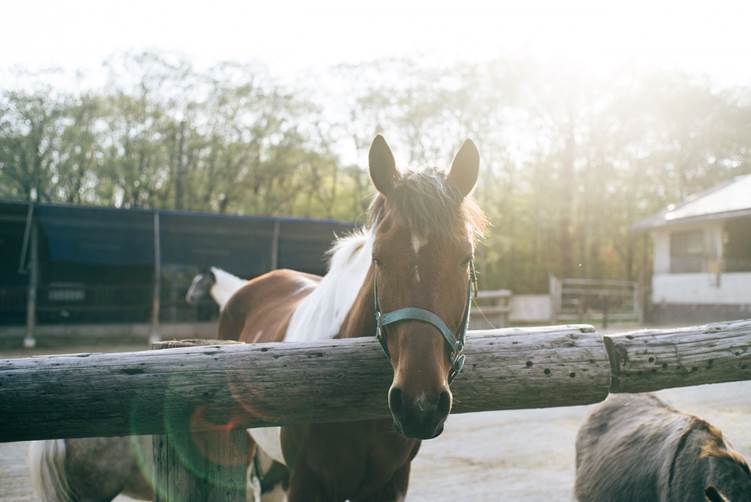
157,281
29,341
180,167
645,279
275,246
26,238
720,253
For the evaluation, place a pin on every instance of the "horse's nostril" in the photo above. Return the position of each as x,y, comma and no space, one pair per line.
444,403
395,400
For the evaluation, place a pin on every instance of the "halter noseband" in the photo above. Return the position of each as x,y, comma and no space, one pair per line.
455,343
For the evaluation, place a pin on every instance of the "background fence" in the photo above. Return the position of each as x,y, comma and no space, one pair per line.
595,300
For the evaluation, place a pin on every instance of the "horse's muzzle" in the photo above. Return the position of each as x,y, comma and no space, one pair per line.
419,418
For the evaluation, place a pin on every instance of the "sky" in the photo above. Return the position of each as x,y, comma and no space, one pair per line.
711,39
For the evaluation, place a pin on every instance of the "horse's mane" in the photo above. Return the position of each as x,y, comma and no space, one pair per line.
321,314
423,201
345,247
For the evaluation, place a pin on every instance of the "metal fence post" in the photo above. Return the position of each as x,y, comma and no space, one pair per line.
155,304
31,304
275,246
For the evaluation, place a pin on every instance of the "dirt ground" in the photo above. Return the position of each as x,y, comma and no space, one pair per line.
525,455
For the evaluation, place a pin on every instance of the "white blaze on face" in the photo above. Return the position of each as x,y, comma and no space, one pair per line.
422,402
418,242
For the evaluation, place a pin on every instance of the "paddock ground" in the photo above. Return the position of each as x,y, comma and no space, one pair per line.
525,455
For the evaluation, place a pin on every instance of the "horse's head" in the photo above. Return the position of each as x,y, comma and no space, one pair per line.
200,287
425,226
729,476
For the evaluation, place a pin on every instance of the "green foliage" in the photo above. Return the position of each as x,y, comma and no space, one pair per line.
569,162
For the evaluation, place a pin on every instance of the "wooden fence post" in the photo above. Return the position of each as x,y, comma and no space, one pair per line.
554,289
192,466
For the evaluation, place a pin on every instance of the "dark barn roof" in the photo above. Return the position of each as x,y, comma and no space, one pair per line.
240,244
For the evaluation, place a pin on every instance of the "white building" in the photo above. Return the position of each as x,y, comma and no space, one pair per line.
702,256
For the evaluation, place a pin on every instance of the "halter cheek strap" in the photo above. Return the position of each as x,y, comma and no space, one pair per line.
455,343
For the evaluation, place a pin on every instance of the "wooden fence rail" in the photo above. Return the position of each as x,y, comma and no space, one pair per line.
151,392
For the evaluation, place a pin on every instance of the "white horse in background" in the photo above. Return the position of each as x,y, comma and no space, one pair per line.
214,282
99,469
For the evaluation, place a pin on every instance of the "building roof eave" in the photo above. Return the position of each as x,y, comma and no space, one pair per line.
659,221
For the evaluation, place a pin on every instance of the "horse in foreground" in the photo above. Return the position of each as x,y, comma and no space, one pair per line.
636,447
407,278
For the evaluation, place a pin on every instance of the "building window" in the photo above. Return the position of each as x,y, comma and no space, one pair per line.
687,253
738,245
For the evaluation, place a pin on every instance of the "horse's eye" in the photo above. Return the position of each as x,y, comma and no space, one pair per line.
377,262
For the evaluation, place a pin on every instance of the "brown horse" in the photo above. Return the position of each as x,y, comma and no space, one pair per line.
416,252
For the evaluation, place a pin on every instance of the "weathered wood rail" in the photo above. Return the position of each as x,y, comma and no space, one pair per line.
654,359
151,392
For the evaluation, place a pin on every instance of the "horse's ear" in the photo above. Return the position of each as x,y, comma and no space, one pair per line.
383,170
465,168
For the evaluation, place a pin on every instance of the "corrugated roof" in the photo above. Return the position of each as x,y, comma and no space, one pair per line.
91,235
8,205
728,200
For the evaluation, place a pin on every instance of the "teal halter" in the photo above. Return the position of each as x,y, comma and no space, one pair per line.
455,343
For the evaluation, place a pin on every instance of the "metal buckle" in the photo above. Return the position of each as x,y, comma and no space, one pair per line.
456,367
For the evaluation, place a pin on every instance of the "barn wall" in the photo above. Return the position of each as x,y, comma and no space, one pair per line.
13,283
531,308
683,314
712,236
702,289
661,240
